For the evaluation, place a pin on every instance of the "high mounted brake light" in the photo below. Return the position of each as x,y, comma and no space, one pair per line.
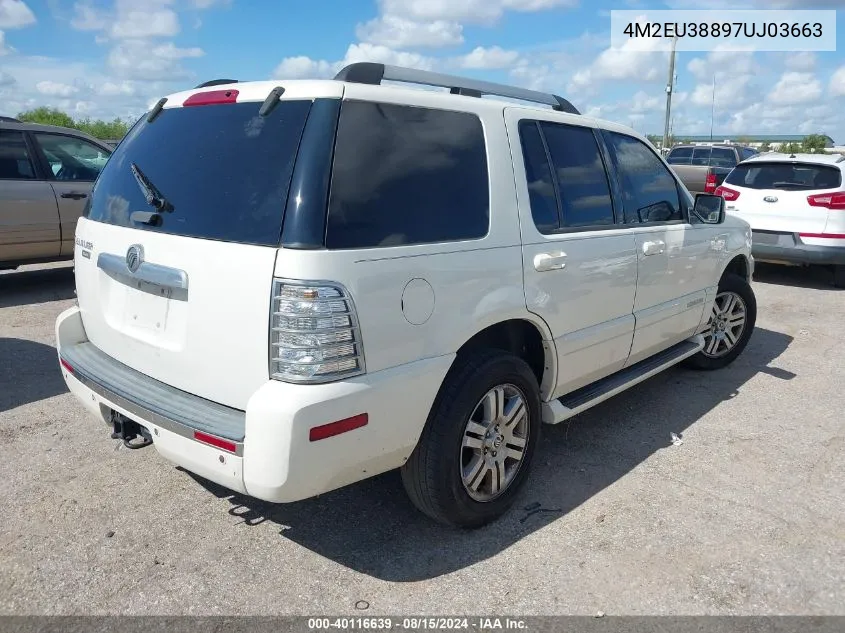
211,97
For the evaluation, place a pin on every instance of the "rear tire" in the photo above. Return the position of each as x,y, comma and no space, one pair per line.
839,276
732,321
464,471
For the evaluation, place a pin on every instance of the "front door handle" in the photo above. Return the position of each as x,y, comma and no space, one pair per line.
657,247
74,195
549,261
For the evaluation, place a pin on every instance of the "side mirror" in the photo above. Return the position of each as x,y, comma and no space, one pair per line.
709,208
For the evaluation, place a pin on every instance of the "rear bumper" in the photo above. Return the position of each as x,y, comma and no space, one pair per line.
273,458
799,254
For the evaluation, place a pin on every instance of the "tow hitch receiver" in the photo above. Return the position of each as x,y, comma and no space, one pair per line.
128,430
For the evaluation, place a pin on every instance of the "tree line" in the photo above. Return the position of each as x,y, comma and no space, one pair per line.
811,144
98,128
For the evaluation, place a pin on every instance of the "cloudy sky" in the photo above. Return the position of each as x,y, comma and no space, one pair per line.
107,58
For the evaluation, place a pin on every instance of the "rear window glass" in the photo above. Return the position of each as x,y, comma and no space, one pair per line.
722,157
407,175
224,169
785,176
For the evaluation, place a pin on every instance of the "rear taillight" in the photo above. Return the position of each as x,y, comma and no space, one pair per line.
314,333
834,201
727,193
710,183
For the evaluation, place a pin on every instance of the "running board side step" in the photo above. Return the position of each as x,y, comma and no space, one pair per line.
582,399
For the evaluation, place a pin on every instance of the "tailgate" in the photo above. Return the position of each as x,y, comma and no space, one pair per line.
176,250
195,318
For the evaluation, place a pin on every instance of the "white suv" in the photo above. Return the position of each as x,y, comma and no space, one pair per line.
291,286
795,204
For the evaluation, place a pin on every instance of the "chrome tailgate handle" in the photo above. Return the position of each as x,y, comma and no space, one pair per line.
155,274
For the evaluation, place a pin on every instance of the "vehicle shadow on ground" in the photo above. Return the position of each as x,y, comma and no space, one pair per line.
29,372
372,528
19,288
810,277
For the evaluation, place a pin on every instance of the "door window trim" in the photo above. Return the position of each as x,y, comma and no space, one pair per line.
33,159
682,200
44,162
614,199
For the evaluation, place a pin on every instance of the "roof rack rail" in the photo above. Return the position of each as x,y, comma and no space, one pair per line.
373,74
216,82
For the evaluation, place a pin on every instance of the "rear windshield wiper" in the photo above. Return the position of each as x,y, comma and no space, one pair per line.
153,196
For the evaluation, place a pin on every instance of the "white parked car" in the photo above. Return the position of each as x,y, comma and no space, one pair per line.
291,286
795,204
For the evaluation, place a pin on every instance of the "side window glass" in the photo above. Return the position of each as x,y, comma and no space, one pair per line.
680,156
407,175
72,158
722,157
649,192
538,174
701,156
581,175
15,162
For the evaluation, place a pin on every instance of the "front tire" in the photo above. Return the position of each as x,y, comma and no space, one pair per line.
732,320
475,452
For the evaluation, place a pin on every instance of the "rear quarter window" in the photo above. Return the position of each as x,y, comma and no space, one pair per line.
407,175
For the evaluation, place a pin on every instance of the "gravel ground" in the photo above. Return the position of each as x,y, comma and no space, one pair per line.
745,516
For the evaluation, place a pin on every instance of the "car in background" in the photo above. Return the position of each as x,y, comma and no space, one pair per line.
46,175
702,168
795,204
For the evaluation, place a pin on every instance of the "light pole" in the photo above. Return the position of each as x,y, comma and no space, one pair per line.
669,86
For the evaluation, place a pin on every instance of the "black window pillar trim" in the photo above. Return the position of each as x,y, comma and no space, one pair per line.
306,210
561,217
612,169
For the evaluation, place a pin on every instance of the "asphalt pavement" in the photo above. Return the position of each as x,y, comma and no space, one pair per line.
744,513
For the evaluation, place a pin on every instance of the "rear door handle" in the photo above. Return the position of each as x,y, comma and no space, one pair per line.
74,195
657,247
549,261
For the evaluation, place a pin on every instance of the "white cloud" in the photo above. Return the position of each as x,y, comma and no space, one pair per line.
15,14
399,32
795,88
87,18
302,67
642,102
837,83
207,4
467,11
6,79
136,59
489,58
801,61
111,89
306,68
55,89
146,23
